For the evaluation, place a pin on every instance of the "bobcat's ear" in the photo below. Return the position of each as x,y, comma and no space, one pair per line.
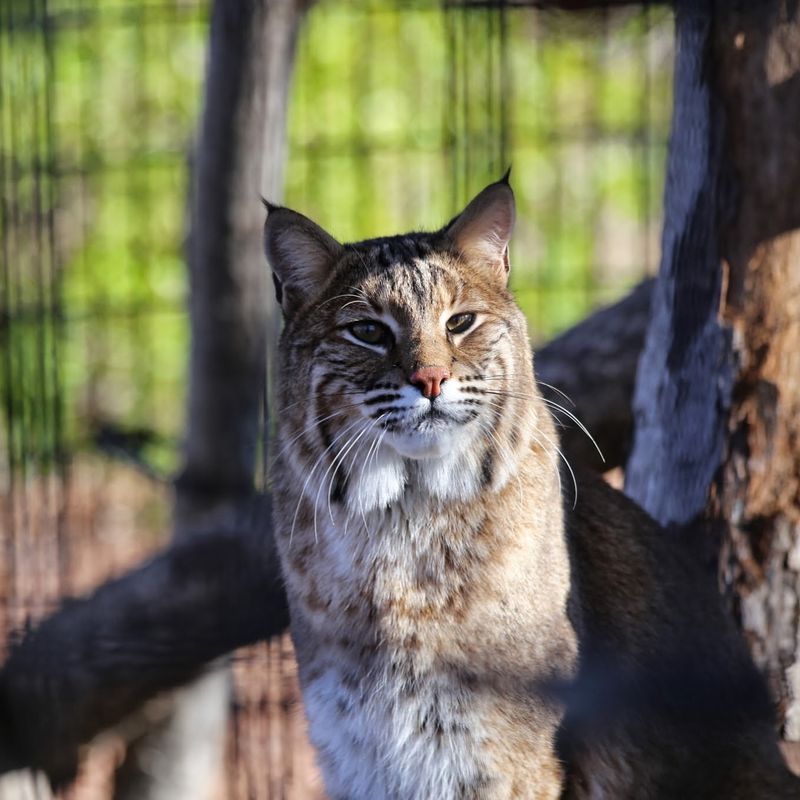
482,230
300,254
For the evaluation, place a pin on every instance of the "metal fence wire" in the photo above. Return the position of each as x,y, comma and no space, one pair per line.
399,112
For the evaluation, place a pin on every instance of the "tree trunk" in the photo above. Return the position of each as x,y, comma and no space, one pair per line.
239,157
683,382
757,491
717,402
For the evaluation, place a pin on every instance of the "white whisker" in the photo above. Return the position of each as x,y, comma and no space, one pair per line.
551,451
556,389
569,467
333,476
311,475
353,302
552,404
580,425
371,459
315,423
339,456
505,453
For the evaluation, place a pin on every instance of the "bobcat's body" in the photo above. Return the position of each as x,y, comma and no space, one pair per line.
437,593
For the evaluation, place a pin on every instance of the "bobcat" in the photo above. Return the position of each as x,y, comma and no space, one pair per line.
467,623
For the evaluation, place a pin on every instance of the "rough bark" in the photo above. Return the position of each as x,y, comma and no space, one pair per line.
758,487
717,402
683,383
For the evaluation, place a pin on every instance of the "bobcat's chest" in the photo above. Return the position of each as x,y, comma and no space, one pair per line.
400,653
389,572
418,629
391,733
386,733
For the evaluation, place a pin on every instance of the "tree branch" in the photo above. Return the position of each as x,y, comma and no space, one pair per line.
98,659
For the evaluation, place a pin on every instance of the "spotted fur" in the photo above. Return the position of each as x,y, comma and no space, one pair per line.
435,586
415,533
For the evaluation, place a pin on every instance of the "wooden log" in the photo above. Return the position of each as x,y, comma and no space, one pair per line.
757,488
717,402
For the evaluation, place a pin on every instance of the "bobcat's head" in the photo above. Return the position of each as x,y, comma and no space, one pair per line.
405,353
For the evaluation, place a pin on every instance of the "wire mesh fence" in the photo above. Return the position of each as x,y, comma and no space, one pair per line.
399,112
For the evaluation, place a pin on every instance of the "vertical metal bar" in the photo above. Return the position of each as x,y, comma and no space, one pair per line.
7,330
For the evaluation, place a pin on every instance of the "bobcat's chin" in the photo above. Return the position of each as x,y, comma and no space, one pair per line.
433,432
419,446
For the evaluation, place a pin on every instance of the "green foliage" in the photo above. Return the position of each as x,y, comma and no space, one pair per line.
398,114
99,104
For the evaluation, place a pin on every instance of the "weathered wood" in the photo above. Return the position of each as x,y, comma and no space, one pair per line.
717,402
758,486
684,381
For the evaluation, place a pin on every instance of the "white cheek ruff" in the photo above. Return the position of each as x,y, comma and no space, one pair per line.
389,478
377,483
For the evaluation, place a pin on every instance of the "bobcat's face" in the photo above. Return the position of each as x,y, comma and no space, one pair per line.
411,350
408,348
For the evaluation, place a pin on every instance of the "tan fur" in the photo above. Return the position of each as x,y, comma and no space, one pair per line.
437,593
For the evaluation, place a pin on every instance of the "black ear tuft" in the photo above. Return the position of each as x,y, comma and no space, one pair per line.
506,179
269,206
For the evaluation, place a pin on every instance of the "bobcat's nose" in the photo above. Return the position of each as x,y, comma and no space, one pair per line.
429,380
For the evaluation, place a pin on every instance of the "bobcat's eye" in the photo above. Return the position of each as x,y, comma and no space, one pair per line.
459,323
371,332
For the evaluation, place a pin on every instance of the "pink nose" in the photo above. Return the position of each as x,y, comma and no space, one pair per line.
429,380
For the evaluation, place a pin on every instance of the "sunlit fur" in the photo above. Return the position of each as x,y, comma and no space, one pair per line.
422,542
430,564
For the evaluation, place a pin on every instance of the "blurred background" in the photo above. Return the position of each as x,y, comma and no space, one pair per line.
399,112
